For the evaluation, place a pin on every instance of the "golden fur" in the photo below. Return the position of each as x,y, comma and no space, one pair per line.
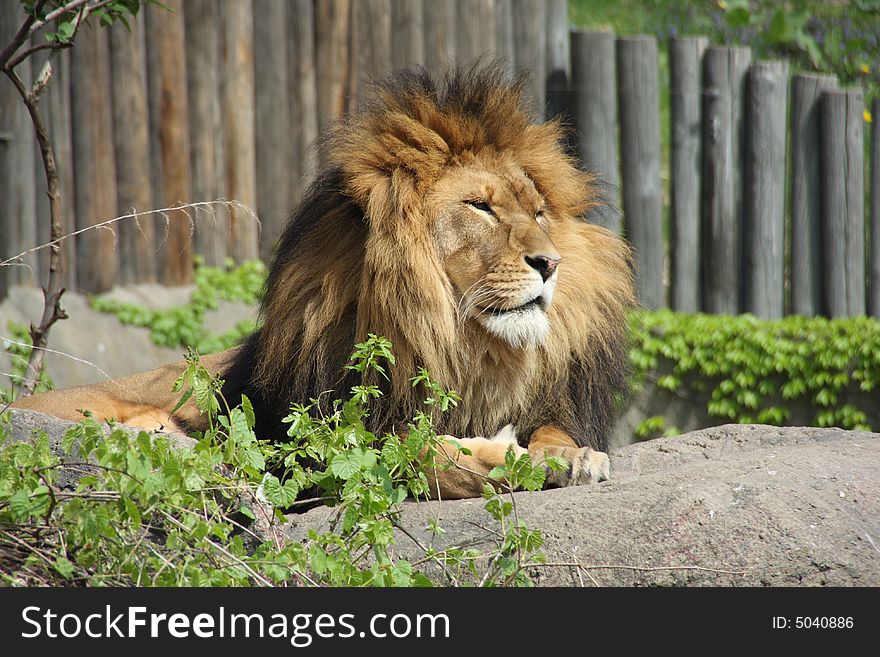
436,209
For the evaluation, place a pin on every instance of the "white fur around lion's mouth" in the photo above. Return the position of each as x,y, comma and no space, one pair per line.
521,327
537,302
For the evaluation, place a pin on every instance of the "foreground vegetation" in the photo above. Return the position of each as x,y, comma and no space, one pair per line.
148,512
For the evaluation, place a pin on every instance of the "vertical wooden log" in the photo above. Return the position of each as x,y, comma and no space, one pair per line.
131,131
10,18
169,128
764,217
640,162
272,98
530,37
504,44
331,45
202,24
371,44
56,104
558,64
685,71
806,192
237,113
408,28
17,179
303,122
874,300
723,103
440,24
475,30
594,97
843,201
94,168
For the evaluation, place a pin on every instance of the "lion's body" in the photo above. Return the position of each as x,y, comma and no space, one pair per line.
439,223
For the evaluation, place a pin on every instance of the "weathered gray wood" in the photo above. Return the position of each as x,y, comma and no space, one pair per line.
303,121
638,103
874,299
272,91
131,139
724,80
504,45
371,44
476,30
202,23
408,30
806,193
764,217
17,174
332,19
440,23
237,112
56,104
94,167
169,139
594,99
685,95
530,37
558,59
843,202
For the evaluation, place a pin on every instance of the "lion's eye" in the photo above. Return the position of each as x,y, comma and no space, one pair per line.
479,204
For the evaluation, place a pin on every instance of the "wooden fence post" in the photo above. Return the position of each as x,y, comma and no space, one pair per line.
764,217
594,97
94,167
371,44
685,95
723,103
439,36
408,33
638,102
202,23
530,37
806,192
17,162
56,101
557,78
843,202
272,97
505,46
332,19
237,111
131,138
169,128
303,119
874,301
475,30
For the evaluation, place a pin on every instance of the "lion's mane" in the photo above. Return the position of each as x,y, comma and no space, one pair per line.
357,257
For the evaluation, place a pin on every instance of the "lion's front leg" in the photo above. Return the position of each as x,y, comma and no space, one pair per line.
586,465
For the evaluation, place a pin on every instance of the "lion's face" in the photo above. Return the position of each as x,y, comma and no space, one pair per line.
492,236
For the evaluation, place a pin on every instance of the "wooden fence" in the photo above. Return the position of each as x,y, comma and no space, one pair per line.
224,100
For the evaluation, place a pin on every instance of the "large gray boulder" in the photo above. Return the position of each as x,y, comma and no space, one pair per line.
727,506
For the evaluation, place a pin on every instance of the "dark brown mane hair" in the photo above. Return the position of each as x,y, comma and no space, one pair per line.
356,257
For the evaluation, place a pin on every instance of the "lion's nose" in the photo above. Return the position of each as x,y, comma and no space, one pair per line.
544,265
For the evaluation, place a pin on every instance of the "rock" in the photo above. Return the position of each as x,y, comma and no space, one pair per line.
736,505
90,346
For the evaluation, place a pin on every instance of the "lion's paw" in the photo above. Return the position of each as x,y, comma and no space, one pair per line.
589,466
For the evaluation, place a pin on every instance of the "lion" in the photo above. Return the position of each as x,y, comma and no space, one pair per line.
447,221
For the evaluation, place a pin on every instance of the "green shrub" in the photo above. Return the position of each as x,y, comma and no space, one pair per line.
763,371
152,514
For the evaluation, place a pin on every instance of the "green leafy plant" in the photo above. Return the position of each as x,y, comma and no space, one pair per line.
770,372
184,326
149,512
